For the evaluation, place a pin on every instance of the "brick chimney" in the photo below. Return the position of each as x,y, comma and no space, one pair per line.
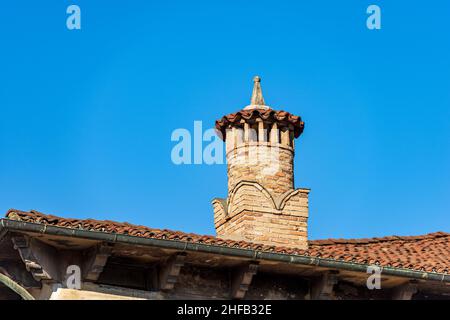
262,204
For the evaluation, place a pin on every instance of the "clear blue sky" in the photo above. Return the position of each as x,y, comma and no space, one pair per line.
87,115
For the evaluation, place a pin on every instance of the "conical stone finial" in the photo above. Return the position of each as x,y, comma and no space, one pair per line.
257,100
257,97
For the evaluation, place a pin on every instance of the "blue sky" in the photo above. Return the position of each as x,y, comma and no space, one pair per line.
87,115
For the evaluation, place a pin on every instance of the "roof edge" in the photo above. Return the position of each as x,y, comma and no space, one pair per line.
22,226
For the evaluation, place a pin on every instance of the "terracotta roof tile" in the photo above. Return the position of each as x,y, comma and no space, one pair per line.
430,252
280,116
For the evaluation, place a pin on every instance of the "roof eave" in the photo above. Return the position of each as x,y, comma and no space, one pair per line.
22,226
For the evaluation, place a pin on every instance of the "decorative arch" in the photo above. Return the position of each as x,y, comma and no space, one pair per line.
253,184
285,197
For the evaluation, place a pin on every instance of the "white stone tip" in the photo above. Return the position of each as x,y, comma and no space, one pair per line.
257,97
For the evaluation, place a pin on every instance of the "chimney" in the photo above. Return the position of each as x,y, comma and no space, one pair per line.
262,204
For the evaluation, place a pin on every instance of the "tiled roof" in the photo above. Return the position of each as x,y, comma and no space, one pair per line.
265,114
430,252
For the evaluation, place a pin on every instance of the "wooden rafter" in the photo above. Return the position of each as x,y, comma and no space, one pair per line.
170,270
322,288
241,280
405,291
39,258
95,261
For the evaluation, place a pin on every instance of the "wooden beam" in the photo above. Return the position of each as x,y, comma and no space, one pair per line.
322,288
170,270
40,259
95,260
241,280
404,292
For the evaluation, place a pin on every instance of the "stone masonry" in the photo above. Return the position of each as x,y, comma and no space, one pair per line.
262,204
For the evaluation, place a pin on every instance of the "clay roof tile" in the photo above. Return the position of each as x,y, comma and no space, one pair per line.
430,252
